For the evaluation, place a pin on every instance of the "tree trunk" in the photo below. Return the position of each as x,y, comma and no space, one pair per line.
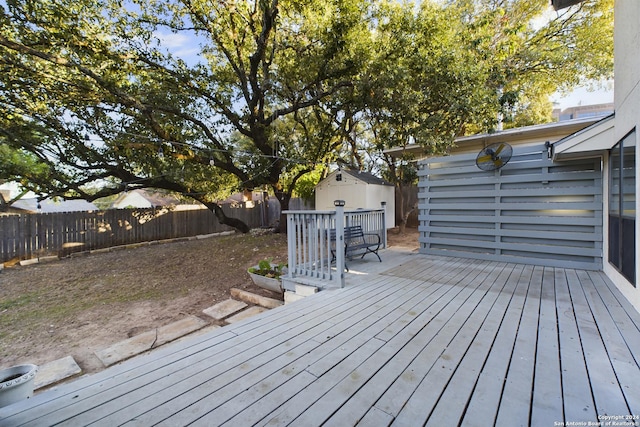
284,198
407,206
224,219
403,218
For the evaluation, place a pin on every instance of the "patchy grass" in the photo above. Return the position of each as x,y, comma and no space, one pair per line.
79,305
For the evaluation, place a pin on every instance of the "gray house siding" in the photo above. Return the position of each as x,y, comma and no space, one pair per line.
531,211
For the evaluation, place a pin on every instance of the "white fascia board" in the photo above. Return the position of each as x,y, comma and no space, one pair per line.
591,141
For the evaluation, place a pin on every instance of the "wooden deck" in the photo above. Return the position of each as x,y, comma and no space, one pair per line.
435,341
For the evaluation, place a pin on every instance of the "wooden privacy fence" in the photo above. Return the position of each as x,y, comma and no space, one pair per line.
531,211
34,235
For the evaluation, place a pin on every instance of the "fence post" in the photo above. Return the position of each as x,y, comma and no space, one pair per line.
339,204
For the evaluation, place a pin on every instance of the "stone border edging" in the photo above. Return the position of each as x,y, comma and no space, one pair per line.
51,258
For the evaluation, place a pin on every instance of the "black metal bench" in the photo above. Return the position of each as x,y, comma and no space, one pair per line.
357,242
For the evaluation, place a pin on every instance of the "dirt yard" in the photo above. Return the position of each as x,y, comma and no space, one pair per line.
82,304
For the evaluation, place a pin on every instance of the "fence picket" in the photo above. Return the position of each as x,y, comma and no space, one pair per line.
27,236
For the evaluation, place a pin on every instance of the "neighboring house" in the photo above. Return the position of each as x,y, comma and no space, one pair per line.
583,112
29,203
32,205
146,198
5,196
571,202
249,199
359,190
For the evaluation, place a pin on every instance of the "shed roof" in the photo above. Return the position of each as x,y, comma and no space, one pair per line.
366,177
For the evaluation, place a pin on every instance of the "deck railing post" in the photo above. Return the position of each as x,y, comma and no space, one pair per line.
291,244
384,224
316,240
339,204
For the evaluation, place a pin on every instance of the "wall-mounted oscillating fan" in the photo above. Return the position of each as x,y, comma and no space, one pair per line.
494,156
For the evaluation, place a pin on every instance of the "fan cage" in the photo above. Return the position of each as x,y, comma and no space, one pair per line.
494,156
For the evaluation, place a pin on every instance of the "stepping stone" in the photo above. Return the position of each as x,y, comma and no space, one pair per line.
252,298
56,371
249,312
224,309
148,340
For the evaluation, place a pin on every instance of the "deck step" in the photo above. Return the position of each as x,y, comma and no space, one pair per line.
305,290
301,291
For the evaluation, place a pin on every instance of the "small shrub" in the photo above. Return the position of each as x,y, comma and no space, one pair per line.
268,269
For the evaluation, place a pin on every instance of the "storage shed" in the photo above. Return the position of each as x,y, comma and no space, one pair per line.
359,190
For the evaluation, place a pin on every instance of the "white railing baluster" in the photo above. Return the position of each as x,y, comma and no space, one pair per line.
310,243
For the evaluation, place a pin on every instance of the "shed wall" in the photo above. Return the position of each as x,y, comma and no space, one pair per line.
357,194
351,190
531,211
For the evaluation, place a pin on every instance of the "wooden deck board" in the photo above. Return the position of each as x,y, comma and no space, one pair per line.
607,395
411,329
298,404
630,313
320,362
517,389
431,340
622,360
434,339
453,401
483,405
411,316
621,312
211,358
576,391
370,305
254,357
432,390
547,405
342,344
127,391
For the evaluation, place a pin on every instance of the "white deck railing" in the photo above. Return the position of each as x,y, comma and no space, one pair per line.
310,245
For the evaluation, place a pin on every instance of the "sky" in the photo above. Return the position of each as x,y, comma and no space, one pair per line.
185,48
583,96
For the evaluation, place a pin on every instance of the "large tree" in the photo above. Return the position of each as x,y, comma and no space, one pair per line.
90,92
528,52
93,101
451,68
422,86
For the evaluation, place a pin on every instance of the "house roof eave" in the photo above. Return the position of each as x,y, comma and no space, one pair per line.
522,133
591,141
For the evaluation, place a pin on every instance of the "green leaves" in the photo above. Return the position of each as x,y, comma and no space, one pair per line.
91,91
527,53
